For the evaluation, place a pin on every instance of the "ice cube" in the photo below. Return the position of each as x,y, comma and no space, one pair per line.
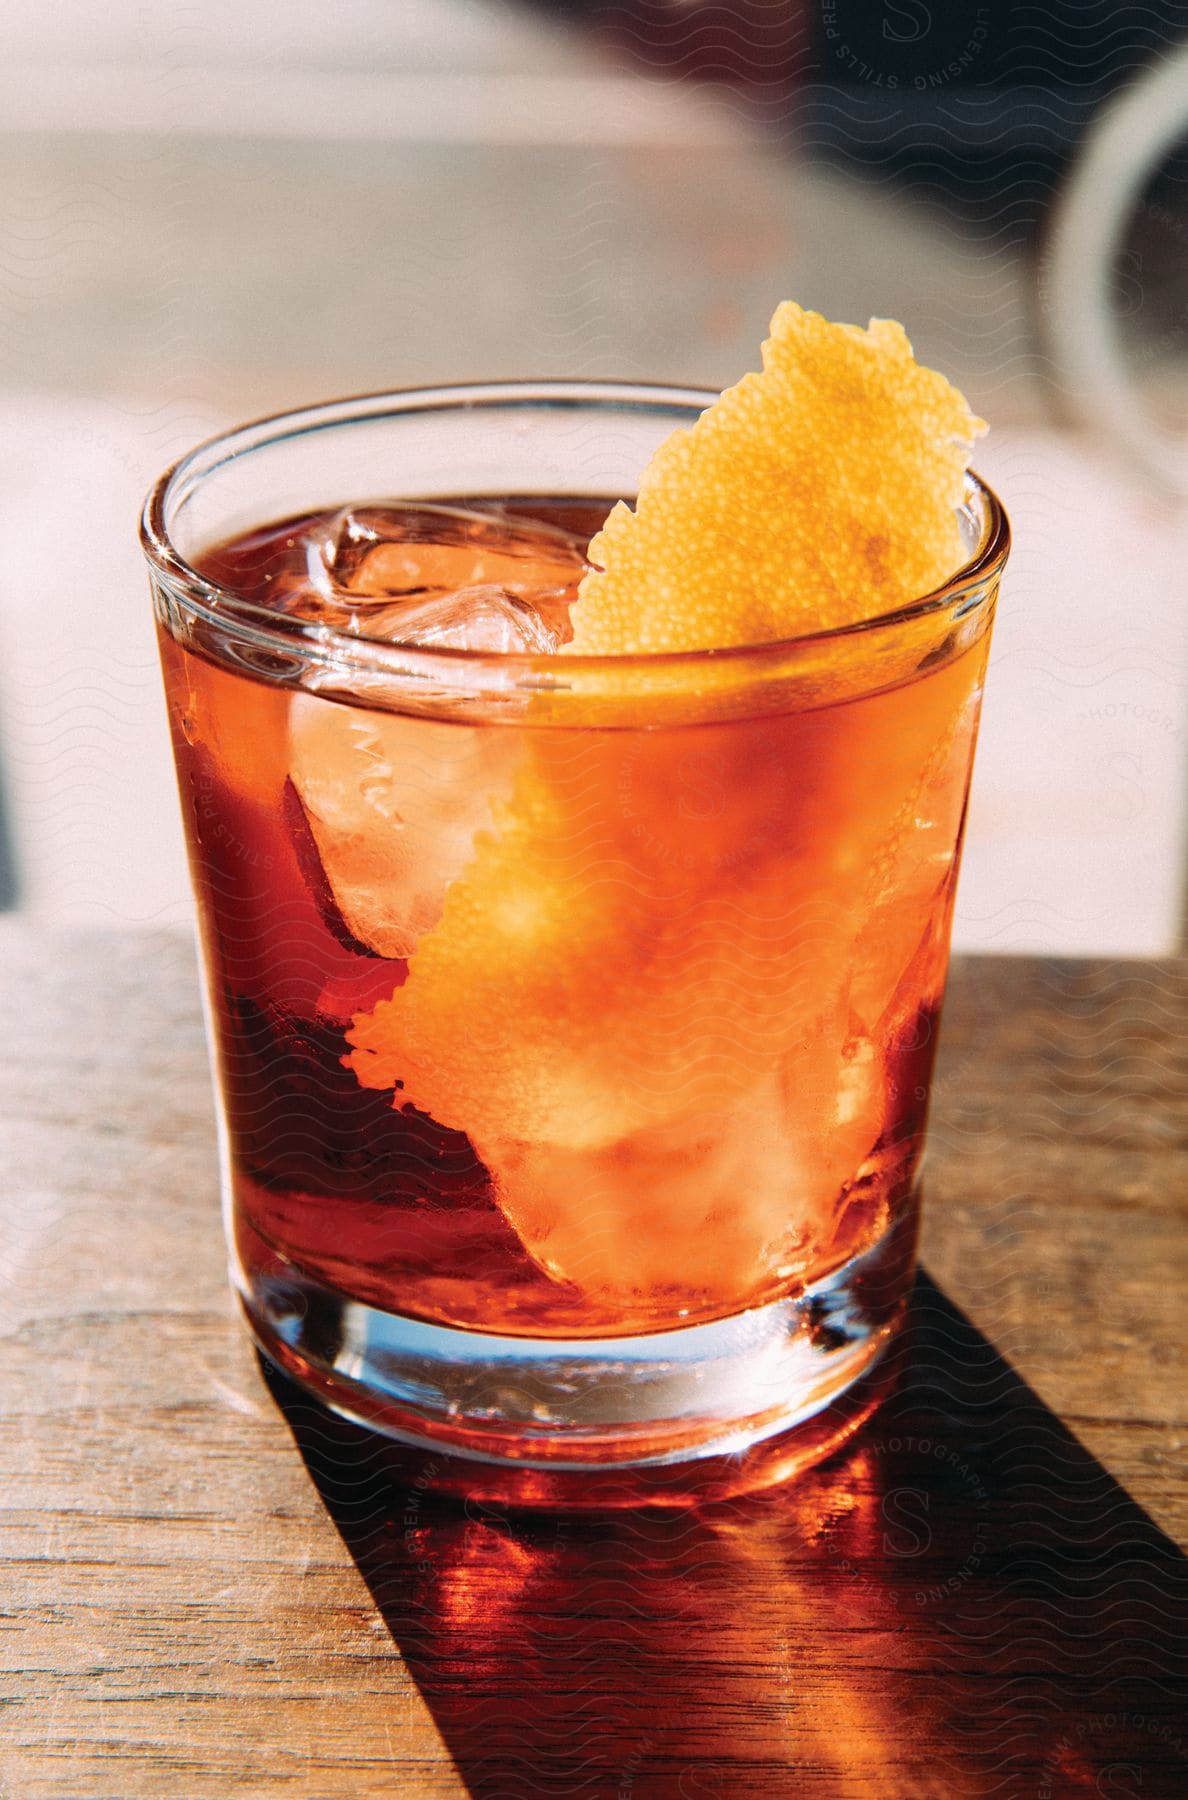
441,576
736,1199
474,618
409,551
393,806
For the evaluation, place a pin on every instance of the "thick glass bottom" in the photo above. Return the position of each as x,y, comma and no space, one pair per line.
676,1415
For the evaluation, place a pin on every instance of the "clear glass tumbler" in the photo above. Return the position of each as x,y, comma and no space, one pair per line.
572,1017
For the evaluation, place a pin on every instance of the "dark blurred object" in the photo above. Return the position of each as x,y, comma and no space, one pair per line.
758,47
983,103
1113,305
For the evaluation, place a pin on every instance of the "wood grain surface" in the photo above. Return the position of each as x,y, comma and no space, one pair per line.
212,1588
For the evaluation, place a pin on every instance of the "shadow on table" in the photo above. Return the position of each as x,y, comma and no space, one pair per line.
964,1602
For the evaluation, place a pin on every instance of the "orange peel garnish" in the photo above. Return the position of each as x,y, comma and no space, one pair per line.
611,980
820,492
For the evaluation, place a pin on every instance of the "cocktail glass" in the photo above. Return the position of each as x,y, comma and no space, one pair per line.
572,1018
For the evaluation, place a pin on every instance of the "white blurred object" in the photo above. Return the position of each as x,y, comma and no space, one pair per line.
85,747
1126,146
1076,829
421,71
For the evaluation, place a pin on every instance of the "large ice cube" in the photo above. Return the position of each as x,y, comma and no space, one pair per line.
393,805
377,552
734,1200
483,617
439,575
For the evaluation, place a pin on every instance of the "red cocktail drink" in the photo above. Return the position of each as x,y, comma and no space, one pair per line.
565,1008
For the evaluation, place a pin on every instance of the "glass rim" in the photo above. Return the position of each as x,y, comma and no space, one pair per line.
221,606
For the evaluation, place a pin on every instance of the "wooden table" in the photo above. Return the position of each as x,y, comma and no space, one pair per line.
212,1589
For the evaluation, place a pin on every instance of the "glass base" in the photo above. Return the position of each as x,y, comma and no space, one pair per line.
724,1407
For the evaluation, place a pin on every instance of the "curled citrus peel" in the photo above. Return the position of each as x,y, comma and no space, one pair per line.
650,1022
822,491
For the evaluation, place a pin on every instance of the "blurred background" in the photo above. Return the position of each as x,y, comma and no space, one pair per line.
212,211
